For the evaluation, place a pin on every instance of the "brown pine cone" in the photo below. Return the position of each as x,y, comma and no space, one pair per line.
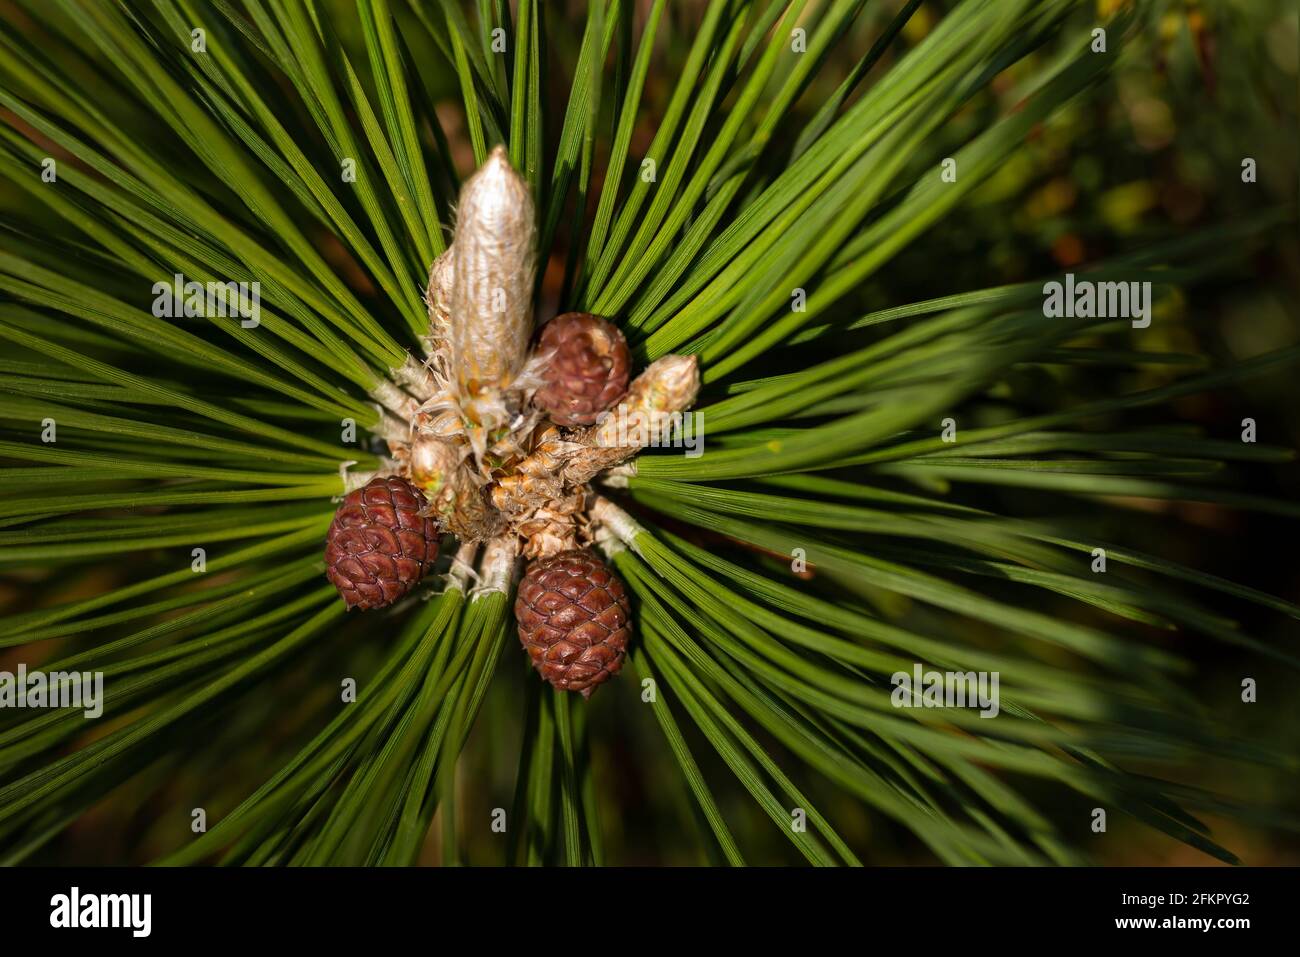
574,620
379,546
588,371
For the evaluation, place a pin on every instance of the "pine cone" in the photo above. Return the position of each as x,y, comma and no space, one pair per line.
379,546
574,620
588,371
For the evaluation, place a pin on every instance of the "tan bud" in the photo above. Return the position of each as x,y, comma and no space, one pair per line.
437,296
493,268
437,466
432,460
669,384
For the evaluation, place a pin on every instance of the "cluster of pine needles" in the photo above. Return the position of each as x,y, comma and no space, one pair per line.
765,692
